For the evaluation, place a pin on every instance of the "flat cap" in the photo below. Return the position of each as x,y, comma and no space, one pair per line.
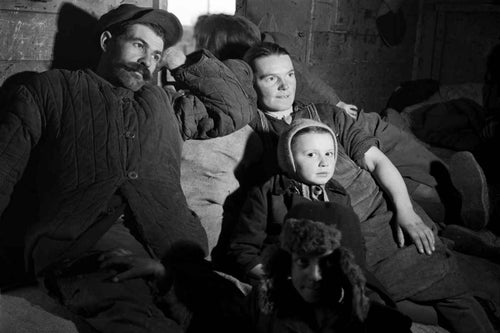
128,13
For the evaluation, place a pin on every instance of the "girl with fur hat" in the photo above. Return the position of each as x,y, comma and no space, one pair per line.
313,283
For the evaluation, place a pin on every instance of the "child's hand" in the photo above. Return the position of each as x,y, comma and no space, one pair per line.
420,233
135,266
350,109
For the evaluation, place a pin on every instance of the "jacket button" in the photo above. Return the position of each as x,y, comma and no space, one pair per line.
129,135
133,175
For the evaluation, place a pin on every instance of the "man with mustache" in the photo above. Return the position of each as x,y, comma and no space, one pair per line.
107,145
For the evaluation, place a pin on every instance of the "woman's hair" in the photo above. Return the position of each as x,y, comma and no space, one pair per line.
263,49
226,36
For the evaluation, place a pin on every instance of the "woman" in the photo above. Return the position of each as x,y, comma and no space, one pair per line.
228,36
221,165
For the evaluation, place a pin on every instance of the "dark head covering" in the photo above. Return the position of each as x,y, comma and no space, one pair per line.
326,215
128,13
308,237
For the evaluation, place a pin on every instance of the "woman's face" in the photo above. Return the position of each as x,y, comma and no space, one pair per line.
307,275
275,82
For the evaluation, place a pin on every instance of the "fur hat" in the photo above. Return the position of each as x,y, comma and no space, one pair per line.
307,237
284,150
313,235
342,217
133,14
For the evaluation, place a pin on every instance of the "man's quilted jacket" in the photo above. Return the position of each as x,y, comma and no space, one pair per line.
94,139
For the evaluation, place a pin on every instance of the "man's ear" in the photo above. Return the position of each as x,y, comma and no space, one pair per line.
104,40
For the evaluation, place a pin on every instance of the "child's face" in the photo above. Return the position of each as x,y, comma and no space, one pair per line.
314,157
307,275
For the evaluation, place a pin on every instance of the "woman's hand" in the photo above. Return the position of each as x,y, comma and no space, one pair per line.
134,265
350,109
419,232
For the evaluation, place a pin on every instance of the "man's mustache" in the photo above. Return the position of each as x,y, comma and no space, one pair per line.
140,68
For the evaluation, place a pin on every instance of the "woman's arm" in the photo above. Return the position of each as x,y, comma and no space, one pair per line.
389,178
350,109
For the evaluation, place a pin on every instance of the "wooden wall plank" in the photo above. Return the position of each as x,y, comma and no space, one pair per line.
270,16
466,45
96,7
36,35
455,41
27,36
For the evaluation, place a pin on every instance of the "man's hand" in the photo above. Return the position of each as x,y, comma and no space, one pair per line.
421,234
172,58
256,274
350,109
135,266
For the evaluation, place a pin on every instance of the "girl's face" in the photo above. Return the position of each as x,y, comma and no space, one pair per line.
307,275
314,157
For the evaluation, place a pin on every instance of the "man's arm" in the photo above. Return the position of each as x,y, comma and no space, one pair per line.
20,130
130,266
219,101
247,237
389,178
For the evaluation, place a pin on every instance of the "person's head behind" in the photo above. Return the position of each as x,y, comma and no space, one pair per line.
225,36
307,152
311,259
274,76
132,40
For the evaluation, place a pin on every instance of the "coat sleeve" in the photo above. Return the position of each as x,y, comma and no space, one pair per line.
407,153
249,233
20,130
220,100
350,134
